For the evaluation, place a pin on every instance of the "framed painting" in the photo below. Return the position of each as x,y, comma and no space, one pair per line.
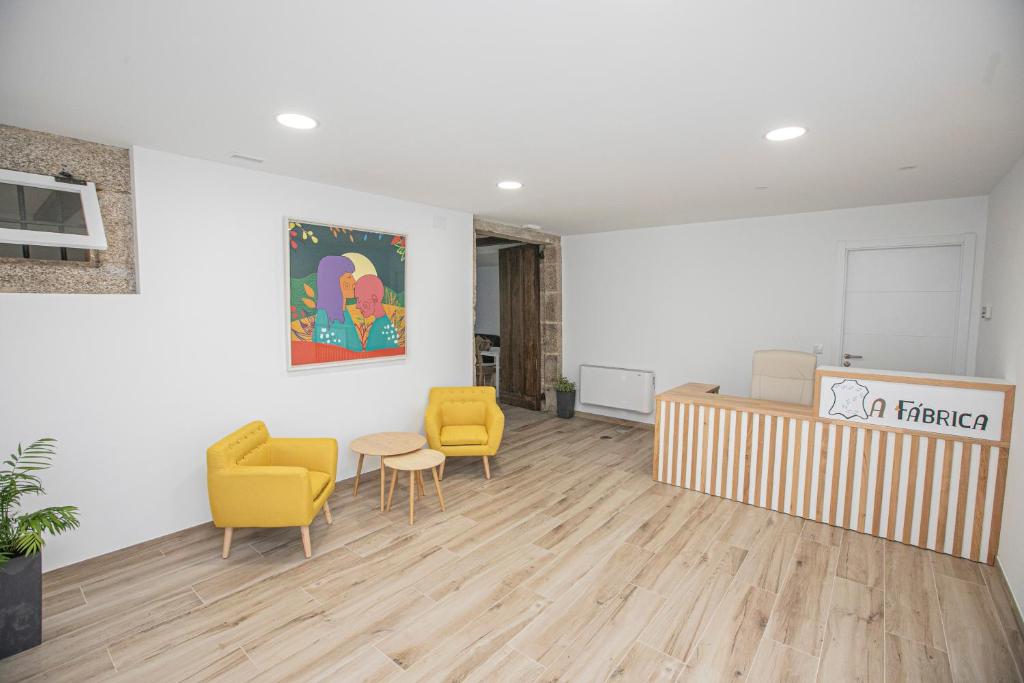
346,295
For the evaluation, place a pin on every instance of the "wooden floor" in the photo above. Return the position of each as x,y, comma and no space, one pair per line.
570,564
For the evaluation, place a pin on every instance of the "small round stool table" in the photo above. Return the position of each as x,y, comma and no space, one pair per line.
414,464
384,445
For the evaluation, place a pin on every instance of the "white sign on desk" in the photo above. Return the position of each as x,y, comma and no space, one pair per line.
956,411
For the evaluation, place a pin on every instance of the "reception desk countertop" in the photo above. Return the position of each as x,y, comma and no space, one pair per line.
698,393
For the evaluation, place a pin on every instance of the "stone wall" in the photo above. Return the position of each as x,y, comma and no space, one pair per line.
112,271
550,296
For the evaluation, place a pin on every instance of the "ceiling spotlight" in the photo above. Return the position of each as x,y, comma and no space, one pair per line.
787,133
300,121
510,185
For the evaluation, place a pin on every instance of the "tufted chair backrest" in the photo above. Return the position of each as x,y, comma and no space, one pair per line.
249,445
441,394
462,405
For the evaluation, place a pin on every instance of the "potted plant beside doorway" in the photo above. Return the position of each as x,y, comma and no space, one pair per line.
565,396
21,540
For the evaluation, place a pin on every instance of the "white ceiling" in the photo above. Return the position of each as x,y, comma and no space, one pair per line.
614,114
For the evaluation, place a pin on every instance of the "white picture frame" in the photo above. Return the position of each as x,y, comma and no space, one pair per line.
291,365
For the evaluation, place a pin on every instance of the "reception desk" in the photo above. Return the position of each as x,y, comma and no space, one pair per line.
919,459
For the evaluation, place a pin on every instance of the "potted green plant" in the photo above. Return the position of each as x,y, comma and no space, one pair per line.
21,540
565,397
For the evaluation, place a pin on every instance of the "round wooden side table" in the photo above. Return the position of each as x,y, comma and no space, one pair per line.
414,464
383,445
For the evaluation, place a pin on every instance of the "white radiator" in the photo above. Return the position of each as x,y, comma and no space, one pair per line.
617,388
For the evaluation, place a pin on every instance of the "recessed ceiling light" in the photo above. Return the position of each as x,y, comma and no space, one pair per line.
510,185
300,121
787,133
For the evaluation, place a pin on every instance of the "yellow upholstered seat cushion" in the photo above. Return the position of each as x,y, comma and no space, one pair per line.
456,413
317,482
463,435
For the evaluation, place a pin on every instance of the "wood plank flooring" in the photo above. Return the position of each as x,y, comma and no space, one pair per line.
569,565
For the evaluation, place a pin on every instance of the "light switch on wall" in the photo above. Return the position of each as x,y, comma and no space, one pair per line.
986,312
819,349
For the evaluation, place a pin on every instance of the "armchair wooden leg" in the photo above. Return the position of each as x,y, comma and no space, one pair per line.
391,489
412,496
437,485
441,475
359,469
227,542
327,513
305,541
487,468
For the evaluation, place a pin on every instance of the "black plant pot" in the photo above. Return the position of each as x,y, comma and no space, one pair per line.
21,604
565,403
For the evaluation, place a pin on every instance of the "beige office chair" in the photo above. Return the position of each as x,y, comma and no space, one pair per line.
786,376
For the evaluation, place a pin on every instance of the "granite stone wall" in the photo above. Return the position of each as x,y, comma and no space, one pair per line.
112,271
550,296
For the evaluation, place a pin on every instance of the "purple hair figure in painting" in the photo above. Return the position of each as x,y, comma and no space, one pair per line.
330,296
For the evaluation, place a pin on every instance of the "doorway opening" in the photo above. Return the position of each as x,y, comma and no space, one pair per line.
507,324
517,313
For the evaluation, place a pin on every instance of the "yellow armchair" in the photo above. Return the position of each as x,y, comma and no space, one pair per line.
255,480
464,421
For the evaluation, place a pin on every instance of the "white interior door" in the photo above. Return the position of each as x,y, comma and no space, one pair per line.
906,308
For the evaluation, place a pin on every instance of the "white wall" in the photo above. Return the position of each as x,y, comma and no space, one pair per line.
1001,349
488,305
692,302
136,387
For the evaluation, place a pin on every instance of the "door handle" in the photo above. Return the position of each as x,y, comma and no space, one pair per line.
847,357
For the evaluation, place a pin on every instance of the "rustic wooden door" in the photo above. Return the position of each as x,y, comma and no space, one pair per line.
519,285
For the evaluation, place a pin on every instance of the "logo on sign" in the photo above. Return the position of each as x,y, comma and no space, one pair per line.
849,400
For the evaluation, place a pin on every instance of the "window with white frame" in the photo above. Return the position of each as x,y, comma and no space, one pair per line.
48,217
